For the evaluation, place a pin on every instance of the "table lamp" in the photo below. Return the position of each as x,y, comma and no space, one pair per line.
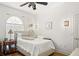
10,32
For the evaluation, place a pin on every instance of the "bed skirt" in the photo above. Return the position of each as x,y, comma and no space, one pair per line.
46,53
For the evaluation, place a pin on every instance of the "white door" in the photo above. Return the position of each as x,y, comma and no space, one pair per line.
76,31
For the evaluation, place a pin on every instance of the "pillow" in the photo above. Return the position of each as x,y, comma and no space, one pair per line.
24,33
27,38
29,33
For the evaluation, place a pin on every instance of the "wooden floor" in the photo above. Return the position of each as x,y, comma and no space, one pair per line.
57,54
19,54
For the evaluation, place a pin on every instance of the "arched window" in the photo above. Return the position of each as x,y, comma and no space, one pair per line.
14,20
14,24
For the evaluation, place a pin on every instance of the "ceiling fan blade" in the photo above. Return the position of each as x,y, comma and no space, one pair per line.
29,5
43,3
24,4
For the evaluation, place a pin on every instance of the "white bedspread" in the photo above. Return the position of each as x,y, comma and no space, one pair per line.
35,46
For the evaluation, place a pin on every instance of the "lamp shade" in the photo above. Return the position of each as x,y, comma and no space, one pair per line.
10,31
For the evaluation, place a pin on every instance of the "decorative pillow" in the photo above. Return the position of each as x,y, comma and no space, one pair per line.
27,38
29,33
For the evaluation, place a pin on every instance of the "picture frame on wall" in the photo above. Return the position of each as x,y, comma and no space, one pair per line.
66,23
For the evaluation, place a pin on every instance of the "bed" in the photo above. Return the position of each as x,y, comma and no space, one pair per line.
35,47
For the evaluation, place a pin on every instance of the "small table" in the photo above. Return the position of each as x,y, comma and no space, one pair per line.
1,44
7,46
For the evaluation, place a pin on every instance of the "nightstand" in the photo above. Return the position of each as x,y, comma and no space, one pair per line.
1,45
9,46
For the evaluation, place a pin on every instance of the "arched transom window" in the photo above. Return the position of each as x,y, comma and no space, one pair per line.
14,20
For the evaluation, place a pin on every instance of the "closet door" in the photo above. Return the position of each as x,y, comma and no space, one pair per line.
76,31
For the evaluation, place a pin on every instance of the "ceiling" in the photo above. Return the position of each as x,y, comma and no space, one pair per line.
40,8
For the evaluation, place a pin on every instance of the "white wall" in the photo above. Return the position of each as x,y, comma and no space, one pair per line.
62,36
6,12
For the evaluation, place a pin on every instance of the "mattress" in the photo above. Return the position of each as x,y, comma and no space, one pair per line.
36,46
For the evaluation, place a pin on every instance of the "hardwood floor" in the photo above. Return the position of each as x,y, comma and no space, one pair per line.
15,54
19,54
57,54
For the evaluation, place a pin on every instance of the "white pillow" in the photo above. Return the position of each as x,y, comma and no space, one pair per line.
29,33
27,38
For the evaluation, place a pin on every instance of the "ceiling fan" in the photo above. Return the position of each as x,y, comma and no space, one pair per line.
33,4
